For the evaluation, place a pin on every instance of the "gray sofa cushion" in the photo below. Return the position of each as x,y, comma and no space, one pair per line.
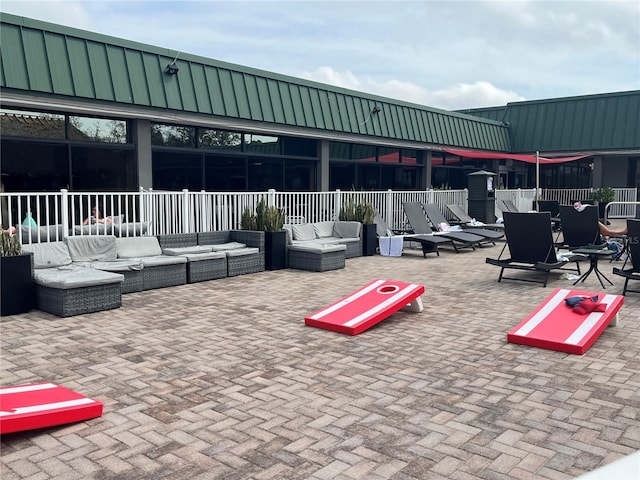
186,250
95,229
196,257
323,229
75,277
49,233
160,260
49,254
346,229
126,265
136,247
238,252
130,229
303,232
223,247
317,247
92,248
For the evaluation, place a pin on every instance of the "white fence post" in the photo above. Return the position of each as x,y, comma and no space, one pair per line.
338,204
65,211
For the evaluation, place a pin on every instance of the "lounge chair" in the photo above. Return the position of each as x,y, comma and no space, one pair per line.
420,225
436,217
464,218
553,207
633,255
579,228
509,206
531,247
428,243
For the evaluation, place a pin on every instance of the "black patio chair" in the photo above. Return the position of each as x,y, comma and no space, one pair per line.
531,248
464,218
633,256
580,229
553,207
420,225
436,217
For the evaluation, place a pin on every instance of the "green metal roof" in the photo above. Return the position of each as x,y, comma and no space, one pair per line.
44,59
603,122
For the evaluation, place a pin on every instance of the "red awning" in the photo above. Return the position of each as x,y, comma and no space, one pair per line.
514,156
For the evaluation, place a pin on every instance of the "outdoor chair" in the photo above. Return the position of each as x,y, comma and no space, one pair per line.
429,243
553,207
436,217
579,228
464,218
509,206
531,247
420,225
633,256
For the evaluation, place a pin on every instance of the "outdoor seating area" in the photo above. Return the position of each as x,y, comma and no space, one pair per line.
225,376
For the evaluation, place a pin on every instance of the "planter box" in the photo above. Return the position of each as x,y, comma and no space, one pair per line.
275,250
369,239
18,294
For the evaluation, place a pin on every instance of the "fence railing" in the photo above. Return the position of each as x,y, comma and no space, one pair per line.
161,212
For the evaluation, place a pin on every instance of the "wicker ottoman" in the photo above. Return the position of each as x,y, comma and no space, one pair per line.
206,266
241,261
317,258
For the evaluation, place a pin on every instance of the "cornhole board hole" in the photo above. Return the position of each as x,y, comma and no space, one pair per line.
554,326
39,405
367,306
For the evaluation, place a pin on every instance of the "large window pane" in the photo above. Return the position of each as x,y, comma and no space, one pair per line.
33,166
103,169
173,136
368,177
299,147
220,140
16,123
97,130
339,150
177,171
365,153
225,174
342,175
300,176
262,144
388,155
266,173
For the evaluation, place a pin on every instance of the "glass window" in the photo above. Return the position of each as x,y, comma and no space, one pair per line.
411,157
365,153
177,171
173,136
299,147
262,144
225,174
29,166
266,173
342,175
97,130
15,123
221,140
340,150
103,169
299,176
388,155
368,177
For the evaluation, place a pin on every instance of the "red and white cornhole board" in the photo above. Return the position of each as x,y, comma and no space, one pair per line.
367,306
554,326
39,405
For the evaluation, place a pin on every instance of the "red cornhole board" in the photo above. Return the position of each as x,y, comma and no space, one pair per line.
554,326
39,405
367,306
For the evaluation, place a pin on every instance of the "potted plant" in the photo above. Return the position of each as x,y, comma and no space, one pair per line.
364,213
16,276
268,219
602,196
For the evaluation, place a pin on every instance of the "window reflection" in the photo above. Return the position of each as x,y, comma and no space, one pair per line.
14,123
173,135
261,144
97,130
219,139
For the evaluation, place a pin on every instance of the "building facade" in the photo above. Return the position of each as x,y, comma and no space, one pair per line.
89,112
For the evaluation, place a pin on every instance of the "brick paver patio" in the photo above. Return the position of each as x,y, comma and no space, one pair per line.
222,380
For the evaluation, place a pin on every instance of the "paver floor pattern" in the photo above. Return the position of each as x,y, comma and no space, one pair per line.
222,380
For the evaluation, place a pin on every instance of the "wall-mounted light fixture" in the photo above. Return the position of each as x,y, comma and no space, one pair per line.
376,109
171,69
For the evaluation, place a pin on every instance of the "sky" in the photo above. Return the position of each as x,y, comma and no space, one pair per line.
445,54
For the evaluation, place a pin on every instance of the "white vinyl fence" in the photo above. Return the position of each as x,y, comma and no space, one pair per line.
161,212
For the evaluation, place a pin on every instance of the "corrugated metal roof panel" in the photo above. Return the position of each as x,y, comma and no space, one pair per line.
40,58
